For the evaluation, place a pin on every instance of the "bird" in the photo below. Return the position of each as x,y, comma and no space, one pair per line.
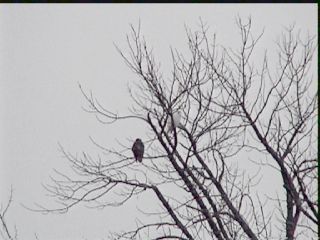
176,116
138,149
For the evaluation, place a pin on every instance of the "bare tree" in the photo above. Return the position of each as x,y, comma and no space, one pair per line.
230,103
6,232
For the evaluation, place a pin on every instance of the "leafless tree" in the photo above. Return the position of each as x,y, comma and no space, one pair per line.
6,232
231,104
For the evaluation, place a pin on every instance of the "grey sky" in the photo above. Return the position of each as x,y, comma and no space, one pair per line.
45,50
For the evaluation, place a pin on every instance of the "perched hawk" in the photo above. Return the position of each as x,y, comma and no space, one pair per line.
138,149
176,116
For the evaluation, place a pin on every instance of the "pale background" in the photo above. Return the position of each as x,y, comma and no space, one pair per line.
45,50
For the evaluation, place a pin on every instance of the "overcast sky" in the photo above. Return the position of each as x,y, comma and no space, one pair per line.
46,50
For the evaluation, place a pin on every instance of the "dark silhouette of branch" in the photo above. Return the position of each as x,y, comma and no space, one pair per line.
7,233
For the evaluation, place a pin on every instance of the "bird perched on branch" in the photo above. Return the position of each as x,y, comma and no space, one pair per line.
176,116
138,149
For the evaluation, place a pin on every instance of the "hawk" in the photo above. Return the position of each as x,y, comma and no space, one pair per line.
138,149
176,116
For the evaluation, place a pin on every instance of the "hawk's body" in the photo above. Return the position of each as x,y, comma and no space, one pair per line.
176,116
138,149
